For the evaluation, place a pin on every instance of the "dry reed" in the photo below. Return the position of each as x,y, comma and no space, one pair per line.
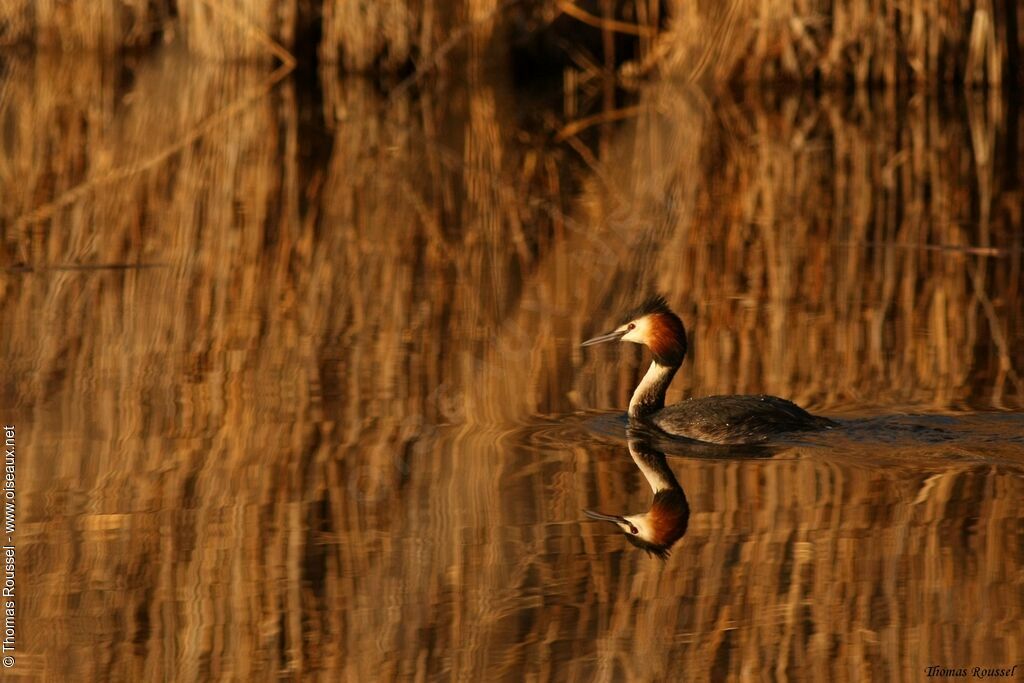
239,30
862,41
104,25
388,34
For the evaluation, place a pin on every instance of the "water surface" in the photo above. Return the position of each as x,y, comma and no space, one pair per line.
295,368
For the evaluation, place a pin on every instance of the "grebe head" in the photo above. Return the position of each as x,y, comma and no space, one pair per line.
654,325
656,530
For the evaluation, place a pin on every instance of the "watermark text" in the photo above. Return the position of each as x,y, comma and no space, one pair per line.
7,592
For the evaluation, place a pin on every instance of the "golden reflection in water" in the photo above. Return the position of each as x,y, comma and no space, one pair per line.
304,441
659,528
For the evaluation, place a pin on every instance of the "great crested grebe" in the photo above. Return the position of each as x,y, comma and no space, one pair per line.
728,420
665,523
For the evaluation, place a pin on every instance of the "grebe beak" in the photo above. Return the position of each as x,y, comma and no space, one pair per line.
607,337
601,517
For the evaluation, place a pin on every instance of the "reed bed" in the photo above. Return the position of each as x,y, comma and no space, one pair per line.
836,42
102,25
244,31
360,36
871,42
293,444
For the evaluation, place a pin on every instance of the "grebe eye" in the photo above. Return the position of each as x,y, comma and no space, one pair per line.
631,326
633,529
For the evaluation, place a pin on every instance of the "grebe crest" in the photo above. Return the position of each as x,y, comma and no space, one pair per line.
654,325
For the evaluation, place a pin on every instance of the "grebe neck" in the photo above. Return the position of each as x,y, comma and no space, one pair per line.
649,396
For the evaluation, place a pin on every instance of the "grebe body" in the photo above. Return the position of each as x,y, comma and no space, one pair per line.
735,420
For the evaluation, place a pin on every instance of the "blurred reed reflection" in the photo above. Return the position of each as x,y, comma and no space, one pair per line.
291,374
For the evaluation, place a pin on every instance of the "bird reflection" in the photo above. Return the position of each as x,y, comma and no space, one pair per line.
658,529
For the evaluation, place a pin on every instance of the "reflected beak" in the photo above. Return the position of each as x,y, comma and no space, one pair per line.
601,517
607,337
